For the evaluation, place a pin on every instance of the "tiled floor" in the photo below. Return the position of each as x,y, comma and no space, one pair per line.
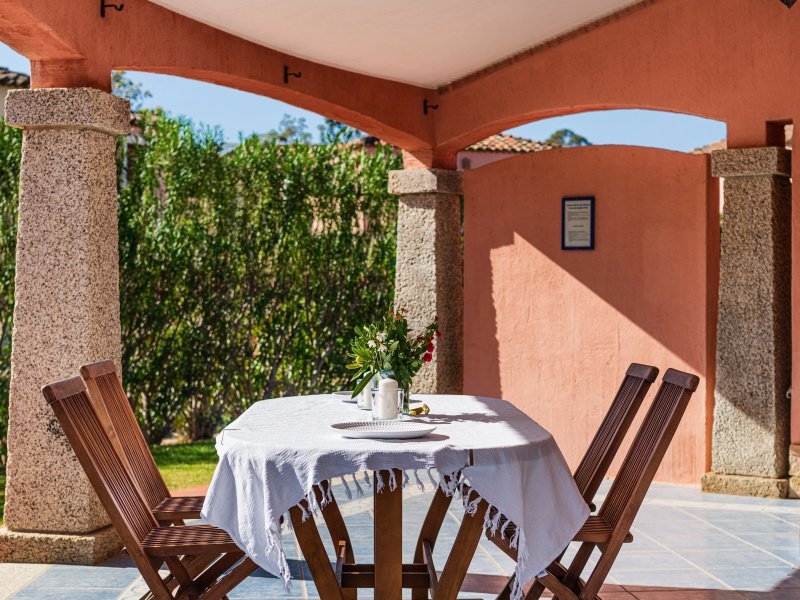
687,545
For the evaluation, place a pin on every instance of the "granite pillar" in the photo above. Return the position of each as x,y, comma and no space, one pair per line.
751,416
429,269
66,314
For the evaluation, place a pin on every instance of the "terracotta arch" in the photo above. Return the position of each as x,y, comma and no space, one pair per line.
70,45
660,54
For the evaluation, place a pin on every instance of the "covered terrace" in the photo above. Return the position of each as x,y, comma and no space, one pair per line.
548,329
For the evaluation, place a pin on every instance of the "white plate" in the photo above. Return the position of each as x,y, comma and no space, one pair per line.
383,430
345,396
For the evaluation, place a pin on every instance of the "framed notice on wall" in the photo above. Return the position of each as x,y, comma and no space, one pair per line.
577,223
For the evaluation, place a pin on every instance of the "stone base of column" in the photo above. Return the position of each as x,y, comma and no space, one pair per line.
89,549
744,485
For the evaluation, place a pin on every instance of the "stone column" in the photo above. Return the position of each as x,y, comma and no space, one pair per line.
429,278
751,415
66,314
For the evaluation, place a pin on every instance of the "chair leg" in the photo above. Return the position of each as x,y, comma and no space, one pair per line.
578,564
187,588
536,591
225,562
229,580
505,593
601,570
560,591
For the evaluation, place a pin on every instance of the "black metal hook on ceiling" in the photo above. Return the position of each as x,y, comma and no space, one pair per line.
104,5
426,107
287,73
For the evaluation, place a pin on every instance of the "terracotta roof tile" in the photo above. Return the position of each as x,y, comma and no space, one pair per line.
709,148
13,79
504,142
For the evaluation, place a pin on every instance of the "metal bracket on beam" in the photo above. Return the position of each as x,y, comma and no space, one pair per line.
104,5
287,73
426,107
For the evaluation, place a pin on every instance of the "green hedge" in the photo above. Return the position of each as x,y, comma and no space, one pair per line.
242,273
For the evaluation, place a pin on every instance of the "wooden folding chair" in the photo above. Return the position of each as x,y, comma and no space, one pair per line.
601,452
115,412
202,559
610,528
591,470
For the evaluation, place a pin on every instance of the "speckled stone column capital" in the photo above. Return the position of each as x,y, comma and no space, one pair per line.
428,280
751,415
751,162
62,108
425,181
66,314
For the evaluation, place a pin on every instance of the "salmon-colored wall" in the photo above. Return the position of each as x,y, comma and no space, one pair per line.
553,331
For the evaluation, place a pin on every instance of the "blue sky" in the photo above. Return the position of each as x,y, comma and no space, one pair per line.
237,112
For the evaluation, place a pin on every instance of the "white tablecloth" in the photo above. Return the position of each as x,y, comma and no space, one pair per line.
273,455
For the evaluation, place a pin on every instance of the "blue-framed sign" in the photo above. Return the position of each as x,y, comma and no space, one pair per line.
577,223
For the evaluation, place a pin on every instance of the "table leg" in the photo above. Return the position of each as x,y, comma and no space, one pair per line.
437,512
314,553
337,530
389,537
455,569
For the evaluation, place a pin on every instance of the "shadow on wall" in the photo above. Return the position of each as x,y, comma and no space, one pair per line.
553,330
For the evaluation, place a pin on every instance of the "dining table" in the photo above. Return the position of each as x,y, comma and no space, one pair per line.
279,459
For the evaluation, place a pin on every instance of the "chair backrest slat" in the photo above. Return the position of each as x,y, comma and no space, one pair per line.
648,448
108,396
120,496
601,452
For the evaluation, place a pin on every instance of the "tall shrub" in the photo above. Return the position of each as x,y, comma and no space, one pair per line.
243,273
10,153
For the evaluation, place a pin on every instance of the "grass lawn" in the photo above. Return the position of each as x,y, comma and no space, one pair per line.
186,465
182,465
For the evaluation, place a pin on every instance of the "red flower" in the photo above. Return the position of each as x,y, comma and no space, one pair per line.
430,347
438,334
427,357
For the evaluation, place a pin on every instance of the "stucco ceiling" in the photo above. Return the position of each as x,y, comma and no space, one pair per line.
424,42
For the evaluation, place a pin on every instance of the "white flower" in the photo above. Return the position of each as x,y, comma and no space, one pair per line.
381,336
382,348
371,344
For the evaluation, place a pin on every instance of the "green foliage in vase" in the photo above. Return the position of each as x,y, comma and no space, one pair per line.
389,346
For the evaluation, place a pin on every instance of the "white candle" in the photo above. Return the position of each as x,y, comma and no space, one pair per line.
387,399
